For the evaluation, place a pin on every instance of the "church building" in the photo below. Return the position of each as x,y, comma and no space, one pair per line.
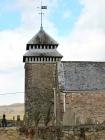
70,92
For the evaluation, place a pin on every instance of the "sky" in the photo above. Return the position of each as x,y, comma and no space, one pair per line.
78,26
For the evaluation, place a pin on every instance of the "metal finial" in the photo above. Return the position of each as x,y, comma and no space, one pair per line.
41,27
42,7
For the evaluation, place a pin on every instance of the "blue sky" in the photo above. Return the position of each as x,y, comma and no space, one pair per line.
9,20
65,15
78,26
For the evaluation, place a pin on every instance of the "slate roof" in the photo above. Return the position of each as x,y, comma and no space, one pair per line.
82,75
43,52
42,38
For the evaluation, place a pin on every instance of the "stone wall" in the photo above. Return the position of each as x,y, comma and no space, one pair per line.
40,79
84,107
83,104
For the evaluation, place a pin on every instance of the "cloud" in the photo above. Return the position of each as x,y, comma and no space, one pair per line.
92,16
87,39
13,45
12,48
85,42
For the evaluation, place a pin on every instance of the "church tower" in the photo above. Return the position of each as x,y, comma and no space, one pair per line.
41,61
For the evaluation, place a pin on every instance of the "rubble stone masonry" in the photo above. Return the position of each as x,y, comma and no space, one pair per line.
85,107
40,79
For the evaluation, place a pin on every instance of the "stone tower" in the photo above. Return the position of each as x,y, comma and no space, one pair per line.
41,62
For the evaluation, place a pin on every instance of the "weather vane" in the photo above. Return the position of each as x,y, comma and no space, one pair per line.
41,13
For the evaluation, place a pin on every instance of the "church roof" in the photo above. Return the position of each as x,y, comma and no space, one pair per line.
43,52
75,76
42,38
